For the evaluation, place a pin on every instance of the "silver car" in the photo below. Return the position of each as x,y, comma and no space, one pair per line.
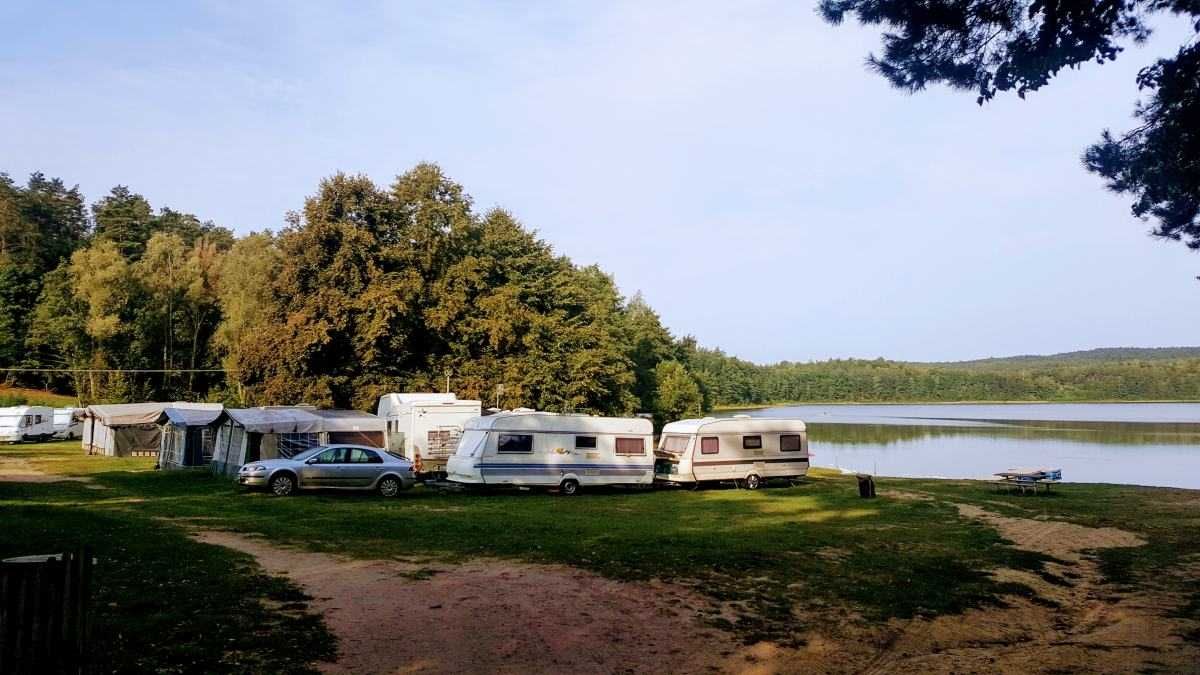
340,467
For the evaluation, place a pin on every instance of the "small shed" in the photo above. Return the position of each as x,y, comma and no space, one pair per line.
129,429
250,434
188,437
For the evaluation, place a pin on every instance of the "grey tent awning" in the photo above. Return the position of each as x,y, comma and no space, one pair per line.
187,417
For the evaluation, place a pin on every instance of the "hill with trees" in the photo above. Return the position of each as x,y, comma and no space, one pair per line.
372,288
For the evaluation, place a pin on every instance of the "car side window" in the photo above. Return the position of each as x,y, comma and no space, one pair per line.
363,456
330,456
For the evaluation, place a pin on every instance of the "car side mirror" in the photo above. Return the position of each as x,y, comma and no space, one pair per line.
311,461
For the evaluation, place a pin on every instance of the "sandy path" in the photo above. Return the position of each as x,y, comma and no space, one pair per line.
14,470
1079,624
508,617
496,616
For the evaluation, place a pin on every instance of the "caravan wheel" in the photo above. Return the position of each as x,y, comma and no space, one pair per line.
282,485
569,487
753,482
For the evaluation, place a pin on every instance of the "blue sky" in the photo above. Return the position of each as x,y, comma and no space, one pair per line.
735,162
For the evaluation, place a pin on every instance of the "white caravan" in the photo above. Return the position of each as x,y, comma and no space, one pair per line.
425,428
741,448
528,448
68,423
26,423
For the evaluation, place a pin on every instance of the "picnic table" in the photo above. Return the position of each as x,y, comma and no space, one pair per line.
1027,479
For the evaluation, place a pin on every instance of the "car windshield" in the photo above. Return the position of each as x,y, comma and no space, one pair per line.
301,456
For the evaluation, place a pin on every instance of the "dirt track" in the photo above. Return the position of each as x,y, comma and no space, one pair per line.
502,616
493,616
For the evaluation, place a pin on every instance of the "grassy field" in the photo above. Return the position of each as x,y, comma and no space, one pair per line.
10,396
816,544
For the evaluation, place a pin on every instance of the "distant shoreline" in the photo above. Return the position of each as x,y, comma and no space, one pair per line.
784,404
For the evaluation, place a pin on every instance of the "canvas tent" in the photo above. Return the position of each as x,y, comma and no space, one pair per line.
188,436
250,434
352,426
129,429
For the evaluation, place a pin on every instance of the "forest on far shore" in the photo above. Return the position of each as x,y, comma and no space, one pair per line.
371,289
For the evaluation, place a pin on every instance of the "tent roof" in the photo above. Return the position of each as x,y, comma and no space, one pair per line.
276,420
350,420
124,414
188,417
303,420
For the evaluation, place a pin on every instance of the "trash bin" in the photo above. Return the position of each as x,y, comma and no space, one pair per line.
866,485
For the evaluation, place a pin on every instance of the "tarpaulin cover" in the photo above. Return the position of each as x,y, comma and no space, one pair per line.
280,420
120,414
186,417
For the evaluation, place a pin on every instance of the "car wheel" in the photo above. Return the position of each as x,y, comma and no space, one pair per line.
753,482
569,487
389,486
283,485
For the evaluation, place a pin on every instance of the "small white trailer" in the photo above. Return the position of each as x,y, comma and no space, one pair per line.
528,448
425,428
68,423
745,449
26,423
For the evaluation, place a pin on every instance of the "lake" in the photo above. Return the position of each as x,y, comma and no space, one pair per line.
1131,443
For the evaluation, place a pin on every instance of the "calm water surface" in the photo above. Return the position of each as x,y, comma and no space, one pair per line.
1133,443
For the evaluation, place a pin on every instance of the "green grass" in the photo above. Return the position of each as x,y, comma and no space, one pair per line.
815,545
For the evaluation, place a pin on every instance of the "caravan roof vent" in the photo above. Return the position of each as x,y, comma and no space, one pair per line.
742,416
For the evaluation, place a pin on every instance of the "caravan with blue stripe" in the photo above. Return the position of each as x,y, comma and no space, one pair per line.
525,448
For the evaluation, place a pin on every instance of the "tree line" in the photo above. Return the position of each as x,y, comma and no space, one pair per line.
370,289
733,382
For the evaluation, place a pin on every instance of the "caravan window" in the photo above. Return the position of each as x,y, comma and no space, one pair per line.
37,419
585,442
751,442
709,445
471,443
631,446
789,443
675,444
514,443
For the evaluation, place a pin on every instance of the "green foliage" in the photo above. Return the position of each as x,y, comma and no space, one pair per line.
996,46
395,289
735,382
373,289
677,394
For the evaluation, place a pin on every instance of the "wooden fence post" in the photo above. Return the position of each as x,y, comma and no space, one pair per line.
44,612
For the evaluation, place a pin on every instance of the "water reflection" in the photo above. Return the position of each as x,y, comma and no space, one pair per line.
1142,444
